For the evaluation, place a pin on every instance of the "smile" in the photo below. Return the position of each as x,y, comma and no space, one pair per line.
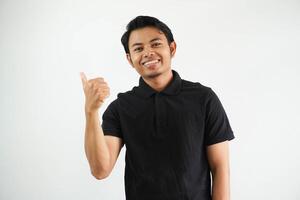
152,62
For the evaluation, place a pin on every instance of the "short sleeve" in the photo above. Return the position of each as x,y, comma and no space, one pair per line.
217,126
111,121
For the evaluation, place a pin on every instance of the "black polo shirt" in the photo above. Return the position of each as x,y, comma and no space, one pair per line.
166,134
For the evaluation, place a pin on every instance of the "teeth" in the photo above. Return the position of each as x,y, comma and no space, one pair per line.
151,62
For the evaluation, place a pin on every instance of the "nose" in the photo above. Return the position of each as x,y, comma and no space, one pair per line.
148,52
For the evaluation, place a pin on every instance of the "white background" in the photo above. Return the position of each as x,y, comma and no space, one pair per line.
247,51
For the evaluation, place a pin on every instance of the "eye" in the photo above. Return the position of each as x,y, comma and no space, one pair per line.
156,44
138,49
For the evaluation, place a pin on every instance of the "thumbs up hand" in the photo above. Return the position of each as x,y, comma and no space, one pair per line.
95,90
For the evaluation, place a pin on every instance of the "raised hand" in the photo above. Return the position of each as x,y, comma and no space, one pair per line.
95,90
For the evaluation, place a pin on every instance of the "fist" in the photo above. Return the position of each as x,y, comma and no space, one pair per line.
95,90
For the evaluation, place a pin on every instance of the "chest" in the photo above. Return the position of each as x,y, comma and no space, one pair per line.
163,122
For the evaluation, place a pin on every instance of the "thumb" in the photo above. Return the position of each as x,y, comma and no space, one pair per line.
83,79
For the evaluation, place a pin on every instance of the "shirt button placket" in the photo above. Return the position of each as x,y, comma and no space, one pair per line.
157,115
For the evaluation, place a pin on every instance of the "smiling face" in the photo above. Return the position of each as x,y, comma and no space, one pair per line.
150,54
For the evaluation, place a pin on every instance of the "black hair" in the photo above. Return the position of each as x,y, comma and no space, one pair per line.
145,21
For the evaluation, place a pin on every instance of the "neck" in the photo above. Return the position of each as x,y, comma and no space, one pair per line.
159,83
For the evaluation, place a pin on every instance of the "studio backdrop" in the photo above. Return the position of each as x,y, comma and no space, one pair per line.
247,51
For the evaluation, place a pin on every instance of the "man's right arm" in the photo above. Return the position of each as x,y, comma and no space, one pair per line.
101,151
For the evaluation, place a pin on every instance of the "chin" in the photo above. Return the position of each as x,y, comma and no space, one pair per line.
153,75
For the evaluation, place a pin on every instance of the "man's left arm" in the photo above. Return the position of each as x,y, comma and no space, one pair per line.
218,158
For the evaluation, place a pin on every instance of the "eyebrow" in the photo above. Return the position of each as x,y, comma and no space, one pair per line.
136,44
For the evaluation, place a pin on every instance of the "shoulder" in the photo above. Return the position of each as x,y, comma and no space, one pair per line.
126,94
124,99
195,87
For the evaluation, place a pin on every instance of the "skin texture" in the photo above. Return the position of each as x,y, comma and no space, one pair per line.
152,45
96,91
218,158
101,151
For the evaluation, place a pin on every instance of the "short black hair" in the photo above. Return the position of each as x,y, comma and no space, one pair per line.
145,21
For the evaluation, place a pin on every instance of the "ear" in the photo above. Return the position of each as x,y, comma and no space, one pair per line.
129,59
173,48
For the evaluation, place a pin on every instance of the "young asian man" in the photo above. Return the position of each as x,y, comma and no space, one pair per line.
176,132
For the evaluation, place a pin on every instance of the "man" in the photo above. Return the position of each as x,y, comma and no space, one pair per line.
176,132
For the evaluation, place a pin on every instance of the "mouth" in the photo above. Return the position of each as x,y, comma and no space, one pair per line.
151,63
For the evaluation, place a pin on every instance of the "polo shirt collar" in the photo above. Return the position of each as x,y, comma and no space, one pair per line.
173,88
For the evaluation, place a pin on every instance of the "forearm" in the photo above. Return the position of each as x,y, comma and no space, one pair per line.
96,148
221,184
